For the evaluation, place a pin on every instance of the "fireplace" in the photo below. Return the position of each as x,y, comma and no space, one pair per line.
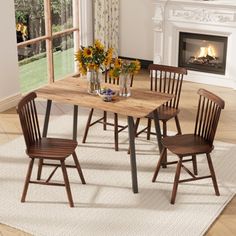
201,52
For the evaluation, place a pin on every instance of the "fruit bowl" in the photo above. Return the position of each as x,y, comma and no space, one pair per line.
107,94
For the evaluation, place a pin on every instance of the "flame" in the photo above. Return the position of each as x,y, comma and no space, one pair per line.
210,51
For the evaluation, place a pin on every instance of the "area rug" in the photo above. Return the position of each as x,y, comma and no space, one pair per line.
106,205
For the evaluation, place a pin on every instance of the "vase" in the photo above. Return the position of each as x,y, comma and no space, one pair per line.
125,85
94,81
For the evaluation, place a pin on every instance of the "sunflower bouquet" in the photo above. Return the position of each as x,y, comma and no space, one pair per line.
93,58
124,69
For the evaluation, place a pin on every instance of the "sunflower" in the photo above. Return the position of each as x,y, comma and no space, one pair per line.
108,58
87,52
79,55
118,63
137,66
114,73
82,69
93,57
99,45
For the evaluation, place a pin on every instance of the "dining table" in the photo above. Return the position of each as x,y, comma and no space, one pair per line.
74,90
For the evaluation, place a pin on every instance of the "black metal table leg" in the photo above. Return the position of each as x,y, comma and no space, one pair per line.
158,134
131,128
45,131
46,119
75,122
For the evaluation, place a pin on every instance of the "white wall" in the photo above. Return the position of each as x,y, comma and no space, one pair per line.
9,74
136,29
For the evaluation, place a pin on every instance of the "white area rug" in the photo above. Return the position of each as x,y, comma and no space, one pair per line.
106,204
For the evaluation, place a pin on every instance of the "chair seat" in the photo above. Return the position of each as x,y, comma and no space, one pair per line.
52,148
187,144
165,113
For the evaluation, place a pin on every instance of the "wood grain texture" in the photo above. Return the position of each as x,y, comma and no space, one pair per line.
74,91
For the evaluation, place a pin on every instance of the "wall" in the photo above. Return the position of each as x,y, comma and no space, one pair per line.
9,75
136,29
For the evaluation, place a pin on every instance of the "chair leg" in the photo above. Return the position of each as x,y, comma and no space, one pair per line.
176,181
213,176
116,131
194,160
163,154
40,166
67,184
104,120
149,128
87,125
164,129
136,126
27,179
78,168
178,125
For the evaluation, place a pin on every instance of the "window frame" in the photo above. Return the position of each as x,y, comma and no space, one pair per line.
49,36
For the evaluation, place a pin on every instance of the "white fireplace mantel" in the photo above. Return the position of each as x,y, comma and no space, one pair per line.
213,17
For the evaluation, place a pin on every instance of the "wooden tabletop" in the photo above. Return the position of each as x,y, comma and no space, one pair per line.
74,91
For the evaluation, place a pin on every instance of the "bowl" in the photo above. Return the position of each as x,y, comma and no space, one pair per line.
107,94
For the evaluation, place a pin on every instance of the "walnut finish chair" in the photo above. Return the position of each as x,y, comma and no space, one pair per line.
200,142
165,79
38,147
117,128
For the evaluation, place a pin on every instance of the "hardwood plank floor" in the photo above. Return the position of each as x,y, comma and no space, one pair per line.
226,222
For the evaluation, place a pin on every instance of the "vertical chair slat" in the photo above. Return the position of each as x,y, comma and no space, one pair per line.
197,116
37,122
33,121
206,119
201,116
29,127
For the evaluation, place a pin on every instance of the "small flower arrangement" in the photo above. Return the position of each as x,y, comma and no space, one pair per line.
93,58
124,67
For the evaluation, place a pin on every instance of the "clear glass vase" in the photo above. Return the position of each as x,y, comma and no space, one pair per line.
125,85
94,81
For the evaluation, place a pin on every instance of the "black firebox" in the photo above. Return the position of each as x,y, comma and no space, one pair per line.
201,52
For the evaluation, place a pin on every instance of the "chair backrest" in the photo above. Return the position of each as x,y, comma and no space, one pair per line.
116,81
28,118
208,114
167,79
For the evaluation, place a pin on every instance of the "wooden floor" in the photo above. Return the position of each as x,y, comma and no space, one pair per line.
226,223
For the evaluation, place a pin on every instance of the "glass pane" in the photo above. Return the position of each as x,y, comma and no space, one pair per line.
63,56
30,21
62,13
33,66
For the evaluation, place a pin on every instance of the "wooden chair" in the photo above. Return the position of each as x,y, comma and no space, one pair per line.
42,148
201,142
117,128
165,79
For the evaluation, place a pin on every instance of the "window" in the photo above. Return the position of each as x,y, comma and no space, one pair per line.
47,32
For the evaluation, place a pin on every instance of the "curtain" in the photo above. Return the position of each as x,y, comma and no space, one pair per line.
106,23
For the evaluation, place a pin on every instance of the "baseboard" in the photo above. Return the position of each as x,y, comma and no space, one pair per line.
9,102
144,63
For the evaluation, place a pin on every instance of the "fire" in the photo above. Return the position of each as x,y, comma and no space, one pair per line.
207,51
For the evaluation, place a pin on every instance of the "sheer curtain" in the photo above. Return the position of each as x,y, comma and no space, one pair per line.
106,23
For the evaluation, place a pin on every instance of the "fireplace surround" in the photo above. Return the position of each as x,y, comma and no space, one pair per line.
215,19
